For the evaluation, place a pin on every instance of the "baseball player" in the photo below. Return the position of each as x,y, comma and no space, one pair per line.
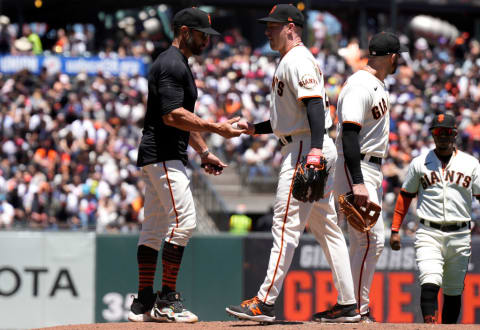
299,117
445,181
170,125
362,142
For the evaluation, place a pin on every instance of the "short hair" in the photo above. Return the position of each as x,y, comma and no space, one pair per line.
176,31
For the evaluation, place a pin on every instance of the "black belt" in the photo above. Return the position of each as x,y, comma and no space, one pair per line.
447,228
372,159
288,138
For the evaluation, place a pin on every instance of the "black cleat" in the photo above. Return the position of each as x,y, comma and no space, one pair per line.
339,314
253,310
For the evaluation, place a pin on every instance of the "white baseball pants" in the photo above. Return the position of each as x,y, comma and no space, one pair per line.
169,207
365,248
289,220
442,258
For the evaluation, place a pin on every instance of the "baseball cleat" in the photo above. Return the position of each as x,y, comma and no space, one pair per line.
169,308
253,310
339,314
367,318
139,312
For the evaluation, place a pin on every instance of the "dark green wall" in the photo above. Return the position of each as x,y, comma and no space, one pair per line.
210,277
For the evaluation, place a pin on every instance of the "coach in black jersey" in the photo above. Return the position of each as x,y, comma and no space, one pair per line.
170,126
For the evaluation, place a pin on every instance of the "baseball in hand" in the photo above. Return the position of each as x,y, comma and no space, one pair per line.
235,125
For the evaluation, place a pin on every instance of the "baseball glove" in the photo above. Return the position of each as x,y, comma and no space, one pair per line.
361,218
310,179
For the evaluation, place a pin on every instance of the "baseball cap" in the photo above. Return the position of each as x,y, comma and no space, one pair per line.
284,13
385,43
196,19
442,120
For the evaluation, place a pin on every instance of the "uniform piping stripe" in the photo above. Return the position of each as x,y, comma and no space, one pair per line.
309,97
284,222
408,194
173,201
352,122
361,271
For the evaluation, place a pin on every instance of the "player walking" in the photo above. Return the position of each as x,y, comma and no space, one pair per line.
444,179
170,125
362,142
299,118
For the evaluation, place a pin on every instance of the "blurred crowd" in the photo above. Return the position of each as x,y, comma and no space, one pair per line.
68,144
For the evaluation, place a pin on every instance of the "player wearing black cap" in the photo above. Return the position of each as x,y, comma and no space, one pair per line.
363,113
444,180
170,126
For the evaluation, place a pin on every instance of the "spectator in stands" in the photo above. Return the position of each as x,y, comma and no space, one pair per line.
34,40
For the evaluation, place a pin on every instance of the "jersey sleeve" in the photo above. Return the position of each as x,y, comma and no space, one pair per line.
306,79
356,102
170,90
412,180
476,180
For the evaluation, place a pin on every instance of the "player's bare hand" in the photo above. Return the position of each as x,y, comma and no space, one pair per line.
395,241
212,164
228,130
243,124
360,194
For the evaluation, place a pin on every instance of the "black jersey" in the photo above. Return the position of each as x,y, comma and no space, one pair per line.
170,86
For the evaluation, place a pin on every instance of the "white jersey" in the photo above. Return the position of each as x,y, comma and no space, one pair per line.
298,76
444,193
364,101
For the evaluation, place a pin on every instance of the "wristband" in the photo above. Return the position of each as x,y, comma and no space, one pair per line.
205,154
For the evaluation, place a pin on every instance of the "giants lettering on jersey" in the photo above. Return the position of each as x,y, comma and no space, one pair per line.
279,84
451,176
308,81
379,111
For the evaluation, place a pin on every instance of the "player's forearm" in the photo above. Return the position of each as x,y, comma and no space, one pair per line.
401,208
316,120
265,127
197,142
351,152
188,121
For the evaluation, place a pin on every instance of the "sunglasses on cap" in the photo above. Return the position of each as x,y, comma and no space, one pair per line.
444,130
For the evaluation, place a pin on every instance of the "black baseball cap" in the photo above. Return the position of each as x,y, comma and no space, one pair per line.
442,120
385,43
284,13
196,19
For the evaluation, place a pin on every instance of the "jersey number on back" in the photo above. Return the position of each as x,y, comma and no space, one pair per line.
378,111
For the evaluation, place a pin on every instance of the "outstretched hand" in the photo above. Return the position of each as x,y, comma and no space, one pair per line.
228,130
245,125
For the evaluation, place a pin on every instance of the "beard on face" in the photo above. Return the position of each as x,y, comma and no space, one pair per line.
195,48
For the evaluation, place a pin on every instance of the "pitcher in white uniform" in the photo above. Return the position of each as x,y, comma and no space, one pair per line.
299,118
362,141
445,180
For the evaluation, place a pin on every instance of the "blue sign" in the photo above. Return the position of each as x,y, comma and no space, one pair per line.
73,65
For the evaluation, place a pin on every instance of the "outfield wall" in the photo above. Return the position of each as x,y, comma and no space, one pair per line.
70,278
